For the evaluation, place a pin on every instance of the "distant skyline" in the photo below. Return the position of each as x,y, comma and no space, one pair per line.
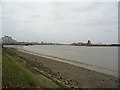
62,22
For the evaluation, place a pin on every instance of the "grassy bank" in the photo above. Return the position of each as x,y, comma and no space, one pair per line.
17,74
0,67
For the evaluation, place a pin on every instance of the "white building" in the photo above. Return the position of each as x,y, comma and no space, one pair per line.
7,39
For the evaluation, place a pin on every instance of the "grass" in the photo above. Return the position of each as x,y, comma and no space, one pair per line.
0,67
17,74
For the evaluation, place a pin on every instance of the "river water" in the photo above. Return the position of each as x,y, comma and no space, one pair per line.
101,59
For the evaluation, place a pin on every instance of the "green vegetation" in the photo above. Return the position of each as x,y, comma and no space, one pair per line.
17,74
0,67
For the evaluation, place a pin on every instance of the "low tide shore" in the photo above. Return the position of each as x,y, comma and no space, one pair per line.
70,75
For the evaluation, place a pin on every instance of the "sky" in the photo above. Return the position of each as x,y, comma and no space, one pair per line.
61,22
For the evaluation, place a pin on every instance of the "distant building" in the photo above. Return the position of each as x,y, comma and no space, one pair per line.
82,44
89,42
8,40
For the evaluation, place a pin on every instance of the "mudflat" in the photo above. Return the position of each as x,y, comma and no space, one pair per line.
70,75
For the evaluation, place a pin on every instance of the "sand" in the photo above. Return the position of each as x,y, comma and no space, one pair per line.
70,75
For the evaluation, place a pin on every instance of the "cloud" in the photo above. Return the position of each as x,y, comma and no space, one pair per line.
63,22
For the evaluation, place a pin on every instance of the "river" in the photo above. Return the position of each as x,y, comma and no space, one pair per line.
100,59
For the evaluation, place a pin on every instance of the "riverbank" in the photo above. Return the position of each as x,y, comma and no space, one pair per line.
67,74
18,74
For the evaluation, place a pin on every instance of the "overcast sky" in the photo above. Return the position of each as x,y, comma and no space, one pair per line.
61,22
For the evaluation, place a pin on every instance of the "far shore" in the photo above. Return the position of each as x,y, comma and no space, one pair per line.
66,45
68,74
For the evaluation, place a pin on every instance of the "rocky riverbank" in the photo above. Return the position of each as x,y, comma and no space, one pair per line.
70,75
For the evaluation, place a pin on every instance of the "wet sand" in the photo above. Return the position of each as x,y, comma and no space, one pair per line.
70,75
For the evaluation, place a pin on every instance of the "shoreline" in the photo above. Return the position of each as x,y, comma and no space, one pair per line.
76,63
18,74
68,74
